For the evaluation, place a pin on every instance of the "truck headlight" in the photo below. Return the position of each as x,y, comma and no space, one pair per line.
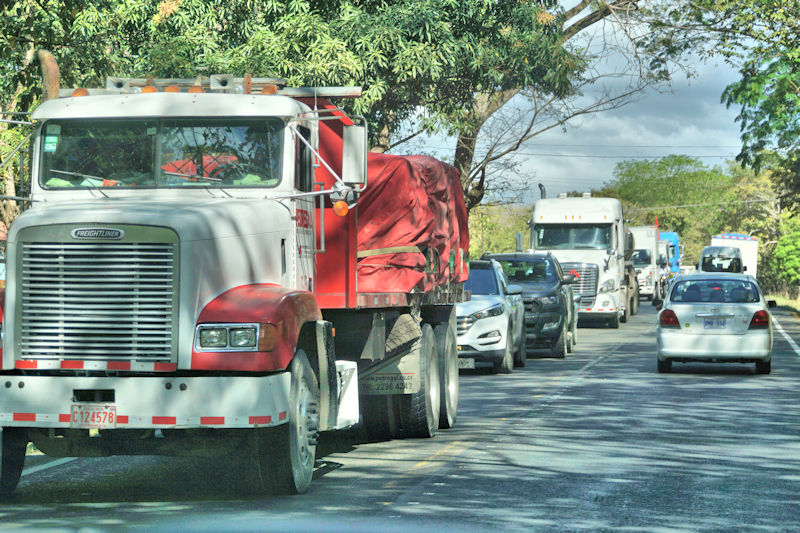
235,337
243,337
607,286
495,310
213,337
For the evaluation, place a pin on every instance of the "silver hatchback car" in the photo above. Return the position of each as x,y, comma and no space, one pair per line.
714,318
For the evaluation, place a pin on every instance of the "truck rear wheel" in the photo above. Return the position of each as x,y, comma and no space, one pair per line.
419,412
447,347
627,313
13,444
285,455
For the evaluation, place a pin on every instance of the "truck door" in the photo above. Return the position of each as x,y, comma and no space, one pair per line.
304,213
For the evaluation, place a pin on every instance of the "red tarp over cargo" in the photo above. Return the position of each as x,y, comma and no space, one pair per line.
412,225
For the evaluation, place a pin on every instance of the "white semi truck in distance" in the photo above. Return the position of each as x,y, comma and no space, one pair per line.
590,240
747,245
645,260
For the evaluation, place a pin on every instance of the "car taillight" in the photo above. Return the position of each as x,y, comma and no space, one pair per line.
760,320
669,319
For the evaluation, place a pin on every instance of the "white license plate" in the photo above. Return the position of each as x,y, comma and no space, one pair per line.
93,416
714,323
466,363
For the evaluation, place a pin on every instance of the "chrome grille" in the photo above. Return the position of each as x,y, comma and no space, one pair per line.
587,280
463,323
97,300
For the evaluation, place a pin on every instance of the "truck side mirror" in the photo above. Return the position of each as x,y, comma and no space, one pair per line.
514,289
354,155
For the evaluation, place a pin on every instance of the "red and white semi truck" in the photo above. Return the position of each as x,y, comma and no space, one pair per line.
219,263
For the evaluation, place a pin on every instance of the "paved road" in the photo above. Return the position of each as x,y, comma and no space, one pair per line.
598,441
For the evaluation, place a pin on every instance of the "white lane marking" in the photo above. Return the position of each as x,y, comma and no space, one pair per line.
786,336
51,464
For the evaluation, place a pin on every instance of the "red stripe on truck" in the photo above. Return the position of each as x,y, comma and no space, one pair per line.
72,365
259,420
171,420
24,417
26,365
63,418
119,365
212,420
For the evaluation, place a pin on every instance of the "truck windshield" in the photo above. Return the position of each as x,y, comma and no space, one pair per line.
566,236
161,153
641,258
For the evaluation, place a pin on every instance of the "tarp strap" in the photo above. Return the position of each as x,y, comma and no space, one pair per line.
390,250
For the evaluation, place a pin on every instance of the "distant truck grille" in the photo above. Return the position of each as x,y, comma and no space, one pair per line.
587,278
97,300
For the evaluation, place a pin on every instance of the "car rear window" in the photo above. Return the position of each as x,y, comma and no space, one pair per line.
481,281
714,290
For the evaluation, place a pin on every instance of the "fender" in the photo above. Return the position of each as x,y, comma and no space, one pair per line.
286,309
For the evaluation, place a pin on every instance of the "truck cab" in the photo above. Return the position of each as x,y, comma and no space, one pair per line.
588,237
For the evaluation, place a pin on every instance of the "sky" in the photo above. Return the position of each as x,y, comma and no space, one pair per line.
687,118
690,120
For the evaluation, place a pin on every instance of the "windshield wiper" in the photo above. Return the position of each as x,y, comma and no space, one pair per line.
80,174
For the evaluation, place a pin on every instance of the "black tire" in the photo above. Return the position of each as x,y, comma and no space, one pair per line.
763,367
627,313
665,366
506,364
521,354
285,455
419,412
613,322
13,445
559,347
447,347
635,308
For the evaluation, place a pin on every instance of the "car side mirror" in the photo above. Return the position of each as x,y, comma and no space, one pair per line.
744,269
569,279
772,303
514,289
658,303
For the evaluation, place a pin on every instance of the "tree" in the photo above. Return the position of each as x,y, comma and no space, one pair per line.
787,255
762,39
441,65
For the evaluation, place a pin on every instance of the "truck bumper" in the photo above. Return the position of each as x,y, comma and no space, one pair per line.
606,305
148,402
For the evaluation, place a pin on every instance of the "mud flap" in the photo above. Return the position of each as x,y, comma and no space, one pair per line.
396,375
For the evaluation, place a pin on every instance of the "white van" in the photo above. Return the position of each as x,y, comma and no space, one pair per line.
721,259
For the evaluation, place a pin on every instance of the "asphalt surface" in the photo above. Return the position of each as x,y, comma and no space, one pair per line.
598,441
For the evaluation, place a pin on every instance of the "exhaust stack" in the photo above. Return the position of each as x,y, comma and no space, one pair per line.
51,77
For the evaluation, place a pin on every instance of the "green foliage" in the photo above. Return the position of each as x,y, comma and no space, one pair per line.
414,56
676,180
493,229
761,38
787,253
698,202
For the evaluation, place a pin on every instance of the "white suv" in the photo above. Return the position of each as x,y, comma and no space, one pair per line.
491,325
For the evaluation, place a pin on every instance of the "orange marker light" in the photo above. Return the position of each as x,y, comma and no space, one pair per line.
172,89
80,92
195,89
340,208
269,89
149,89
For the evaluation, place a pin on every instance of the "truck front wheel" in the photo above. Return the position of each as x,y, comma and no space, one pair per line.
419,411
285,455
13,443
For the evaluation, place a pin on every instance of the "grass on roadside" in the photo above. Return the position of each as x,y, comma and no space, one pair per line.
786,303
